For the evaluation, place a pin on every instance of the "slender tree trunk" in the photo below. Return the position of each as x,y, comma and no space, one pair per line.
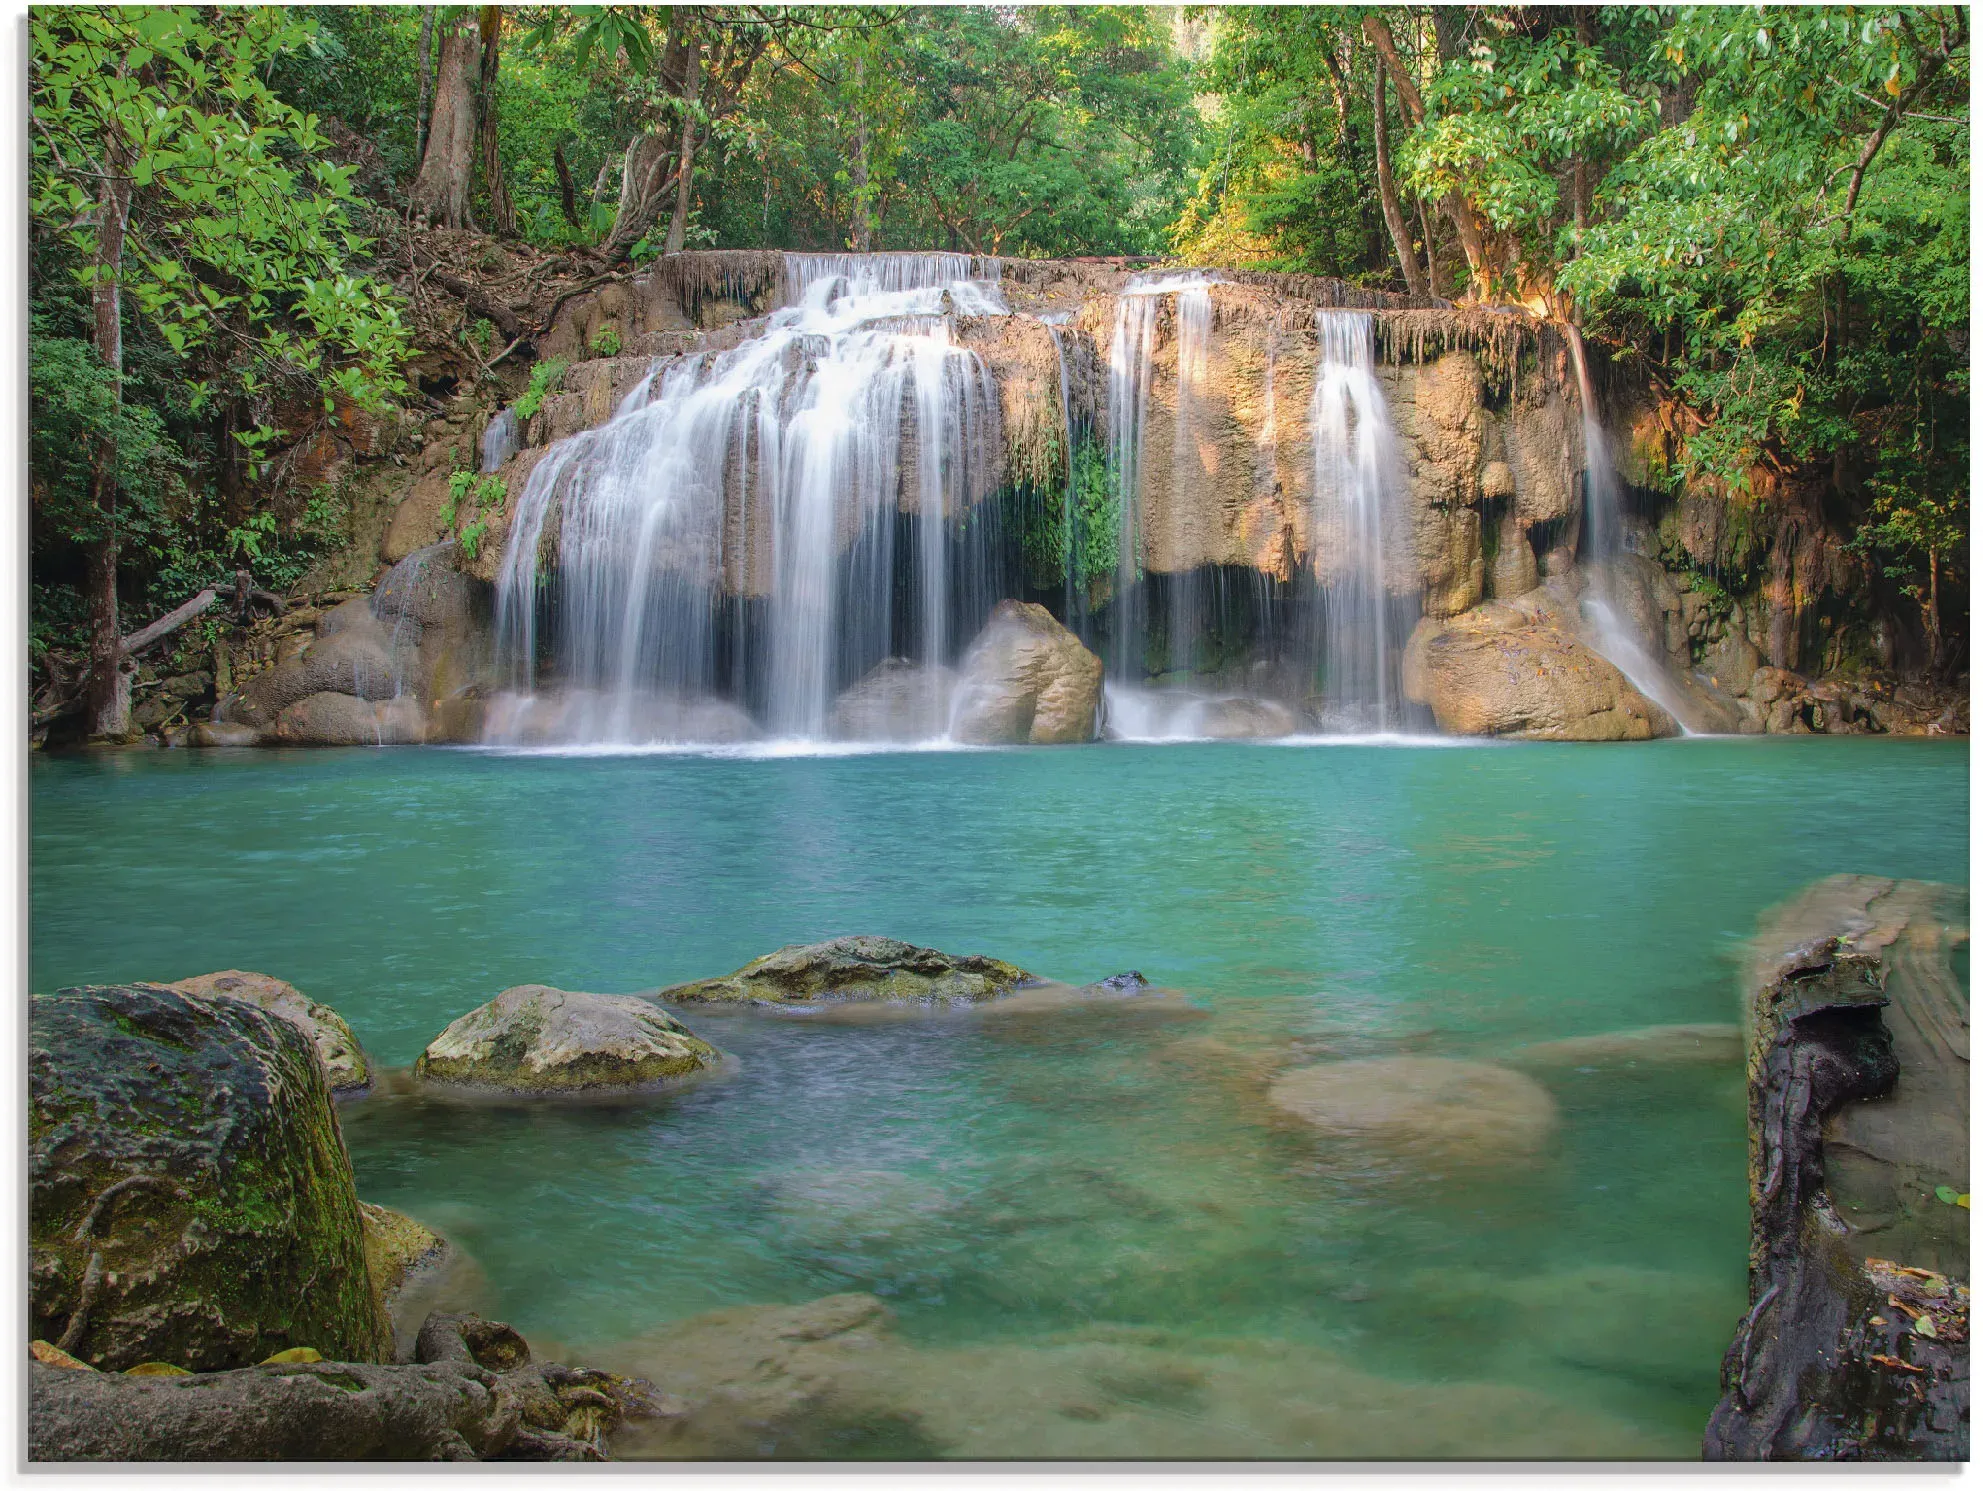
1431,250
644,182
678,225
1387,188
599,182
502,214
440,191
1934,615
863,235
567,191
426,81
1457,209
107,692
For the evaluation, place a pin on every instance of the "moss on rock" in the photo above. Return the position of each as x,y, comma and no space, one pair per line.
856,968
190,1197
344,1061
536,1039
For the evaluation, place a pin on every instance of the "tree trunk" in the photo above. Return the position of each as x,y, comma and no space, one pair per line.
863,235
440,191
1455,206
1387,188
426,81
567,192
678,225
502,215
644,183
107,693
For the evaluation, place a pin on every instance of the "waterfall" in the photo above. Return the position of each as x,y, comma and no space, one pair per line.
1604,541
776,468
1359,474
1070,495
1131,344
1185,623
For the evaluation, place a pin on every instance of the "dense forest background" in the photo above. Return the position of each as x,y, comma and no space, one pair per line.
1770,205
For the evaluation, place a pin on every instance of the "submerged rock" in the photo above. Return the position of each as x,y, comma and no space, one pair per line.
535,1039
218,733
1855,1346
1649,1045
190,1199
344,1062
832,1380
1244,719
897,700
1460,1110
1498,671
1027,680
855,969
395,1247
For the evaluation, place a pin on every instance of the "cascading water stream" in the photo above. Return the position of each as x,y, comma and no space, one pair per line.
852,405
1070,561
1359,474
1604,542
1131,348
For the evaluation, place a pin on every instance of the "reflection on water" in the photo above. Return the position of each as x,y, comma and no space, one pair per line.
1079,1230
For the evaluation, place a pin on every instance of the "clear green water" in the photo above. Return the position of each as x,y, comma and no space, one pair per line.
1003,1181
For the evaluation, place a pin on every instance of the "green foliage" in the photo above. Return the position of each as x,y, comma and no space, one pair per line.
486,496
543,378
1053,547
606,342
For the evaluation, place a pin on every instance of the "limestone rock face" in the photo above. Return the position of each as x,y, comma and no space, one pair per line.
1027,680
1244,719
352,661
329,719
395,1245
1453,1110
1498,671
856,968
535,1039
190,1199
1515,571
897,700
344,1063
208,733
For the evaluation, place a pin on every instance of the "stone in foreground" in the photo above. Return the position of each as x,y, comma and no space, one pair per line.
850,969
1500,671
1452,1110
1026,680
338,1049
190,1199
538,1040
1855,1346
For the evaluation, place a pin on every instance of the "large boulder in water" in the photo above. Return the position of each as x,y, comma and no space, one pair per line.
896,700
190,1198
1446,1110
534,1039
344,1062
1499,671
329,719
856,969
1027,680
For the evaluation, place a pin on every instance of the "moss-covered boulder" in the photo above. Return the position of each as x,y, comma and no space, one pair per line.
190,1198
538,1040
344,1062
856,969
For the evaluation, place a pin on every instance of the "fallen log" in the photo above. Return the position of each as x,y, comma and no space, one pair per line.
170,622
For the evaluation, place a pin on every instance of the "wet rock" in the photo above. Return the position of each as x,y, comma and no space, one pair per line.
1027,680
1858,1054
538,1040
219,733
1244,719
190,1199
1454,1110
1497,671
897,700
353,662
395,1247
1649,1045
856,969
1515,571
345,1066
586,716
341,720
